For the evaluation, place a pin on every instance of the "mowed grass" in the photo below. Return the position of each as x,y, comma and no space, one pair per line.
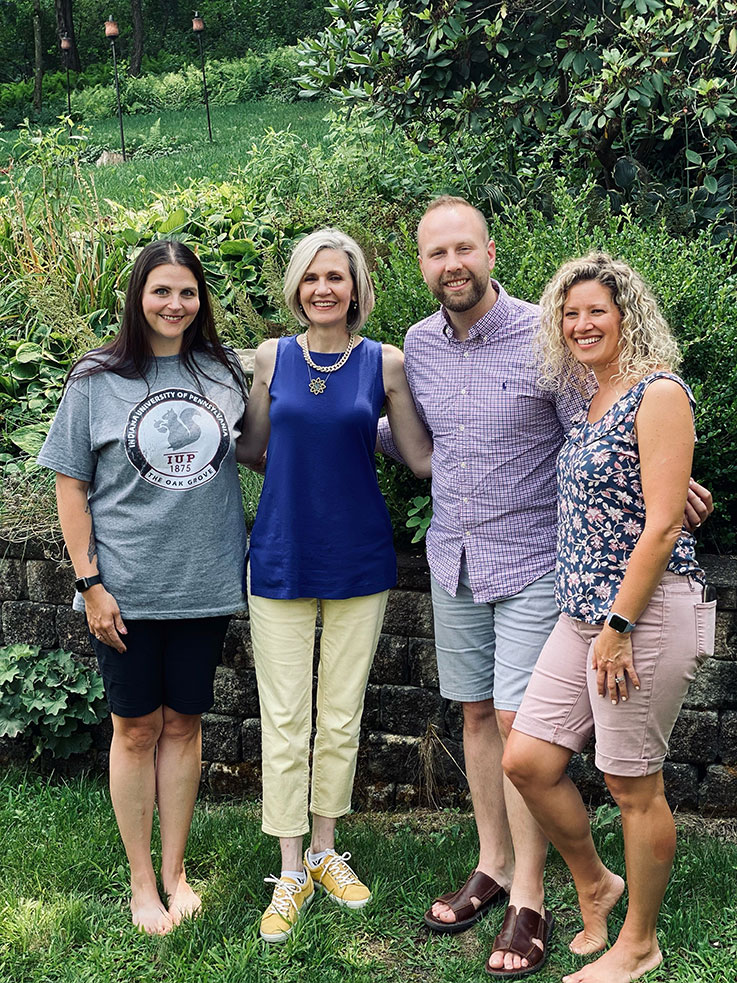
64,915
235,129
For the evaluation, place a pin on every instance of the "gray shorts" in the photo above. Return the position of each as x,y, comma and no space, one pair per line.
488,650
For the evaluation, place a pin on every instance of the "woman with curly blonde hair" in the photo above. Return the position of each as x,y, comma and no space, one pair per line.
634,621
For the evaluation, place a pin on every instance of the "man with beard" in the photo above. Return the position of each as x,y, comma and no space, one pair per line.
491,550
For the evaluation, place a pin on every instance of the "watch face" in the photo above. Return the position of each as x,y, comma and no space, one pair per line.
618,623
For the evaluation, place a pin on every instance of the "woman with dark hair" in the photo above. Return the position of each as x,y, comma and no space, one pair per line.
150,507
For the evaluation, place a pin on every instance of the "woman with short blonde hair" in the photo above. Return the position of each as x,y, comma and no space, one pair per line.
322,536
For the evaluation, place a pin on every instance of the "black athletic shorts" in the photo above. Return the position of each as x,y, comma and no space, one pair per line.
167,663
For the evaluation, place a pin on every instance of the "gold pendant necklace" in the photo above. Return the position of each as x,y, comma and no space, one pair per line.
318,385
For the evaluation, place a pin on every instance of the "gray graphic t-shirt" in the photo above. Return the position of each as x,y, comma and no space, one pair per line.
164,491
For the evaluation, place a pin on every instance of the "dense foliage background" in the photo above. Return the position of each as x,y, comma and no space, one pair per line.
572,126
232,27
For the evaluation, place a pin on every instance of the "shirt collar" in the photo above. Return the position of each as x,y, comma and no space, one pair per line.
488,323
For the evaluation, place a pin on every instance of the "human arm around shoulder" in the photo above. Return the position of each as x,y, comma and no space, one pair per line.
665,436
250,448
75,517
410,436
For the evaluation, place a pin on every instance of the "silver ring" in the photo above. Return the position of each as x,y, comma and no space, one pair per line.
619,679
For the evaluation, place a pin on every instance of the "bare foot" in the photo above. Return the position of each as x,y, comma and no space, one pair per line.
595,910
149,915
621,964
183,902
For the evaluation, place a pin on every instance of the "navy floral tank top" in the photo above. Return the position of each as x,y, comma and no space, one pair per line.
601,511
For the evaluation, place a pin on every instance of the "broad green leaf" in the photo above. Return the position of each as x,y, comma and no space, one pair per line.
30,439
692,156
28,352
710,183
175,221
240,248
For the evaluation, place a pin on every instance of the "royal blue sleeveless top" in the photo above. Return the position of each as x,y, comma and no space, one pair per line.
322,528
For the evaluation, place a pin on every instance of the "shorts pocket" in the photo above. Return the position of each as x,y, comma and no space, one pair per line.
706,619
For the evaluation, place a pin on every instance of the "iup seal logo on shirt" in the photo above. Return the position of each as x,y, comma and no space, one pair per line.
177,439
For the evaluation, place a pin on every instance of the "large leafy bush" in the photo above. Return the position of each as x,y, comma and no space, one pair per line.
641,92
48,698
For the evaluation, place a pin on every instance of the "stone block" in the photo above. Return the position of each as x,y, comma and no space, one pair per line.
237,648
441,762
27,623
251,741
72,631
31,549
453,720
371,719
390,661
413,572
221,738
718,791
728,738
423,663
409,709
374,796
407,797
725,638
241,780
721,571
588,779
12,580
388,758
681,785
695,736
50,583
235,693
715,686
409,613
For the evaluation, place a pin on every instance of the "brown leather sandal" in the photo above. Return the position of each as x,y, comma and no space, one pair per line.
519,928
478,885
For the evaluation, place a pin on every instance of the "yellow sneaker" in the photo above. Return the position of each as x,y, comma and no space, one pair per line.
338,880
287,903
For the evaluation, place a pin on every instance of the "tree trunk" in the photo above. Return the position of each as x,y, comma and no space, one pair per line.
65,25
137,50
38,64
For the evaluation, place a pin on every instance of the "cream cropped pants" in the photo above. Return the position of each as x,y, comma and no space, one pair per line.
283,635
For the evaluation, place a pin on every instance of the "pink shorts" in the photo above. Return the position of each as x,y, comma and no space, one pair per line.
561,704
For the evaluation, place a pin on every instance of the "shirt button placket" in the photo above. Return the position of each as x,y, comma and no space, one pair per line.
464,477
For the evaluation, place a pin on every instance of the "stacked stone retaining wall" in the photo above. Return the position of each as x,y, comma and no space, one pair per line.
411,747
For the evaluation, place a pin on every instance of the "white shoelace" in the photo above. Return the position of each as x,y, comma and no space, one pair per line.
340,870
283,895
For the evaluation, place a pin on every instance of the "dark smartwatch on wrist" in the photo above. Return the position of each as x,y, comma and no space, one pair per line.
84,583
619,623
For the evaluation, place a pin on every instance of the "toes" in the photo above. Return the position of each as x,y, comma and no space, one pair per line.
496,959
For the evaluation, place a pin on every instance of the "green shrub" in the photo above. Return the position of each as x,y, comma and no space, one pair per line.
176,84
48,697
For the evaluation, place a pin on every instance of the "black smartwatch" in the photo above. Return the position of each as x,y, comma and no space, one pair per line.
620,624
84,583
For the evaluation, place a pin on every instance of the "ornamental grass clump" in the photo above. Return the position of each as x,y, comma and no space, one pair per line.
48,698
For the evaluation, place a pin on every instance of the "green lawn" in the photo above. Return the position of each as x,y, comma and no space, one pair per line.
234,128
64,919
